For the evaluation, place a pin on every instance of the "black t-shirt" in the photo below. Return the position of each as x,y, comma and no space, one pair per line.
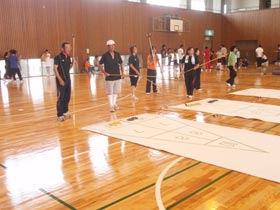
190,62
112,65
134,60
64,64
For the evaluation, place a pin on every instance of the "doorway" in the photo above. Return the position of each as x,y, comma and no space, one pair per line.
208,41
247,49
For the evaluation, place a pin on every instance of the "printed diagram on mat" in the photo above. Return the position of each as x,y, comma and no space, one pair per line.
169,129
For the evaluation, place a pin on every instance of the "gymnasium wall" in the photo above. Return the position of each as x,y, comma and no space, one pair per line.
262,26
30,26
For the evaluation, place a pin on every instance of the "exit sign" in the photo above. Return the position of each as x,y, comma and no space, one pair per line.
209,32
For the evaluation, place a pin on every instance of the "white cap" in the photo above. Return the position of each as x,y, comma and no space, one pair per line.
110,42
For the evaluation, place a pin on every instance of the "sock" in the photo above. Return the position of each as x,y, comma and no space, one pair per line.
110,101
115,96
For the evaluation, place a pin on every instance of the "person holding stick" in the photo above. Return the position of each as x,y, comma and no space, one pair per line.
114,71
134,70
152,61
232,66
191,64
62,65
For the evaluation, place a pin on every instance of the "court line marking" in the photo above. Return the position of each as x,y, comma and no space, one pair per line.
57,199
198,190
148,186
159,181
53,117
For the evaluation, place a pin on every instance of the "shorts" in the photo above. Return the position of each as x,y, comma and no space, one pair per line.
133,80
113,87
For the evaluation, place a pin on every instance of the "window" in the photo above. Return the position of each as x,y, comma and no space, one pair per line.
173,3
198,5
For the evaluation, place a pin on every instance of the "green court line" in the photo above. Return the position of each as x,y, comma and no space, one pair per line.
57,199
3,166
147,187
198,190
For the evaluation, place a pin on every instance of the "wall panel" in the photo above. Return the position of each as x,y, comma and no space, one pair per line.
30,26
260,25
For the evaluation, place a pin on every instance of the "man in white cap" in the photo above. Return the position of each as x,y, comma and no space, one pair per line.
113,70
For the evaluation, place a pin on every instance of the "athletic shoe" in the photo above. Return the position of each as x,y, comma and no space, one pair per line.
112,109
228,84
116,107
233,86
67,115
134,98
148,93
199,89
60,118
190,96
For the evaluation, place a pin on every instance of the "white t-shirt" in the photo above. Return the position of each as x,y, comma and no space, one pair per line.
224,51
259,52
238,54
181,53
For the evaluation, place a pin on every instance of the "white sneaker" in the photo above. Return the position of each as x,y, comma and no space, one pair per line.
147,93
67,116
190,96
60,118
134,98
116,107
112,109
228,84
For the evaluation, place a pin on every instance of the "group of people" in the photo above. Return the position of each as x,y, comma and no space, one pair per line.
12,65
111,65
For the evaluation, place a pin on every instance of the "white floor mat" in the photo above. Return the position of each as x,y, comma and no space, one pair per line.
259,92
264,112
248,152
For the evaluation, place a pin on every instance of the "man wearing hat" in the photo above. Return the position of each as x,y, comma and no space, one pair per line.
113,70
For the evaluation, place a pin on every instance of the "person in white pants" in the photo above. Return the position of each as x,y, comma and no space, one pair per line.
113,70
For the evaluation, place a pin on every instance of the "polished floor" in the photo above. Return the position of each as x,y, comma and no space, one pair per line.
45,164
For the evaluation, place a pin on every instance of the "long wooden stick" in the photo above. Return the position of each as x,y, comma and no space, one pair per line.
150,44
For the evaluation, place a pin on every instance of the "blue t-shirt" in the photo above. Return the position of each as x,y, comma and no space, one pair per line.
13,62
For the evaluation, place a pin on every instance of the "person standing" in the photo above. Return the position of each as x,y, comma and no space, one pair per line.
163,53
232,66
278,55
198,71
7,74
181,55
113,70
259,54
14,64
237,58
46,61
62,65
224,54
207,54
219,65
191,64
152,61
134,70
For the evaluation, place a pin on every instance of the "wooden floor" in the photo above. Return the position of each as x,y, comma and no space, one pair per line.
45,164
